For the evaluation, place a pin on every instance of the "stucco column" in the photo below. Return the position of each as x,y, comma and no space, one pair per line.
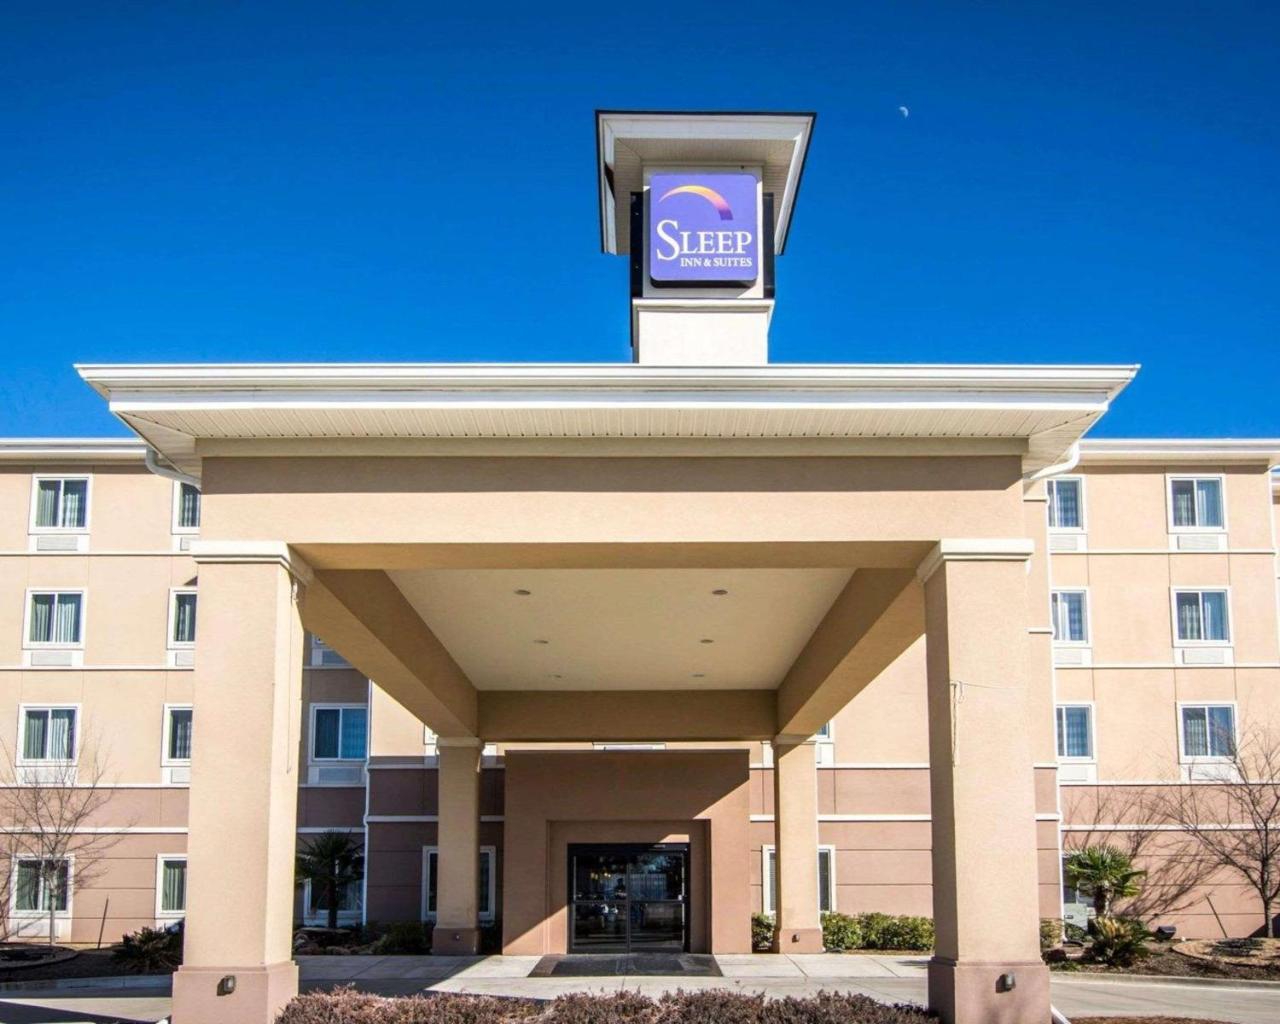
986,967
244,790
457,927
798,928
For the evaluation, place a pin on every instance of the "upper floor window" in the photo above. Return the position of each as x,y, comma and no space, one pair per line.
339,732
1195,503
1075,730
1208,730
55,618
186,508
60,503
1066,503
177,734
48,734
1201,616
41,885
182,619
1069,610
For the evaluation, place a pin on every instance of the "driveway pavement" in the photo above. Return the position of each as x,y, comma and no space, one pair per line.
890,979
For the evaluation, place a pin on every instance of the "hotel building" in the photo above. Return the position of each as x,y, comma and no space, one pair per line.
612,656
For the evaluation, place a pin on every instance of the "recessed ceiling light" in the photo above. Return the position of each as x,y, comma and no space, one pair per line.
555,675
719,593
699,675
542,641
523,593
705,640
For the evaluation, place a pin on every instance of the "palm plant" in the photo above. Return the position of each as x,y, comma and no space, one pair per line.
330,862
1105,873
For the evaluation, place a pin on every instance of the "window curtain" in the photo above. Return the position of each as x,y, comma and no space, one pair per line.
173,886
1066,504
27,885
188,507
47,502
1184,503
1214,615
62,734
1076,732
184,619
41,629
75,503
1208,503
1195,732
66,619
1189,621
36,735
180,734
1222,742
353,733
325,741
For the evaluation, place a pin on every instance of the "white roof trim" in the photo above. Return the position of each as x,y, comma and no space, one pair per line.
71,449
1161,450
171,406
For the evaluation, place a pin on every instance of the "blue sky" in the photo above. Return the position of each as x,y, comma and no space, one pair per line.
229,182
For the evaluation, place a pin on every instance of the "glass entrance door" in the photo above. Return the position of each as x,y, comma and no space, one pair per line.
626,899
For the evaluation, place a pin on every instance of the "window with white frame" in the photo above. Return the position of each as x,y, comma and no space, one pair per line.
48,734
350,902
55,618
171,886
60,503
1070,613
486,882
186,508
826,879
41,885
339,732
1195,503
1201,617
182,619
178,720
824,735
1208,731
1066,503
1075,731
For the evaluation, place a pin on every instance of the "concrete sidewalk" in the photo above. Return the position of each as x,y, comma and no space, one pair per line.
889,979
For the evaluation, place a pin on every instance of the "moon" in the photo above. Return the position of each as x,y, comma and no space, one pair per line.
904,112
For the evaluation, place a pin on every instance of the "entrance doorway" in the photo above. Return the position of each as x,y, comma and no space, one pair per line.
629,898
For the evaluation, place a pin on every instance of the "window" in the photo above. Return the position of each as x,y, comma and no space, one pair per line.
48,734
824,735
1195,503
55,618
1200,617
41,885
826,879
350,902
182,619
60,503
177,735
171,886
1066,505
486,880
1075,731
186,508
1069,609
338,733
1208,730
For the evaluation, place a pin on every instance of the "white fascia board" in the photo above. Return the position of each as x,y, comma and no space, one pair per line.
1139,451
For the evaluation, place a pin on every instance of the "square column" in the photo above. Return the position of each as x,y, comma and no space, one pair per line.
798,928
986,967
244,791
457,929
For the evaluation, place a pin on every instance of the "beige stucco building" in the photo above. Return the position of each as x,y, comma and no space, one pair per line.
752,637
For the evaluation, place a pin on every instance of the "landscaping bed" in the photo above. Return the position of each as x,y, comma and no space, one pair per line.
87,963
1165,962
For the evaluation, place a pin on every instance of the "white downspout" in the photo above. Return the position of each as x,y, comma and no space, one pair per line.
1065,466
152,460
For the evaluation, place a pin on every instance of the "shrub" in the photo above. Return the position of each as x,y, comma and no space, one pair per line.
1118,941
346,1006
1073,932
761,933
882,931
840,931
1050,933
408,938
150,951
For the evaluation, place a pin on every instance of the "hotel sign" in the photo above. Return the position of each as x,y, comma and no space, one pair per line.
703,228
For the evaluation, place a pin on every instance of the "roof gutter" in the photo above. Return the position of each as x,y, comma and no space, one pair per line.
1065,466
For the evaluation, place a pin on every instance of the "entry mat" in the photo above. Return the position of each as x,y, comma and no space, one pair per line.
612,965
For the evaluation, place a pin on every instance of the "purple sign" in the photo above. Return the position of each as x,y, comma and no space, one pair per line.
702,228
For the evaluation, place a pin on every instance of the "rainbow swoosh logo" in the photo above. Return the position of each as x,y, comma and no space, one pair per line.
709,194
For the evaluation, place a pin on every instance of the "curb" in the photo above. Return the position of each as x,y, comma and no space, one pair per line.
145,981
1084,977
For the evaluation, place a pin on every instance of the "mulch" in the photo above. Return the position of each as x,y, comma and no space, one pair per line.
90,963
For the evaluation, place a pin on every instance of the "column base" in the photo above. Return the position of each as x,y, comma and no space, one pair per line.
972,992
259,993
798,940
446,941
